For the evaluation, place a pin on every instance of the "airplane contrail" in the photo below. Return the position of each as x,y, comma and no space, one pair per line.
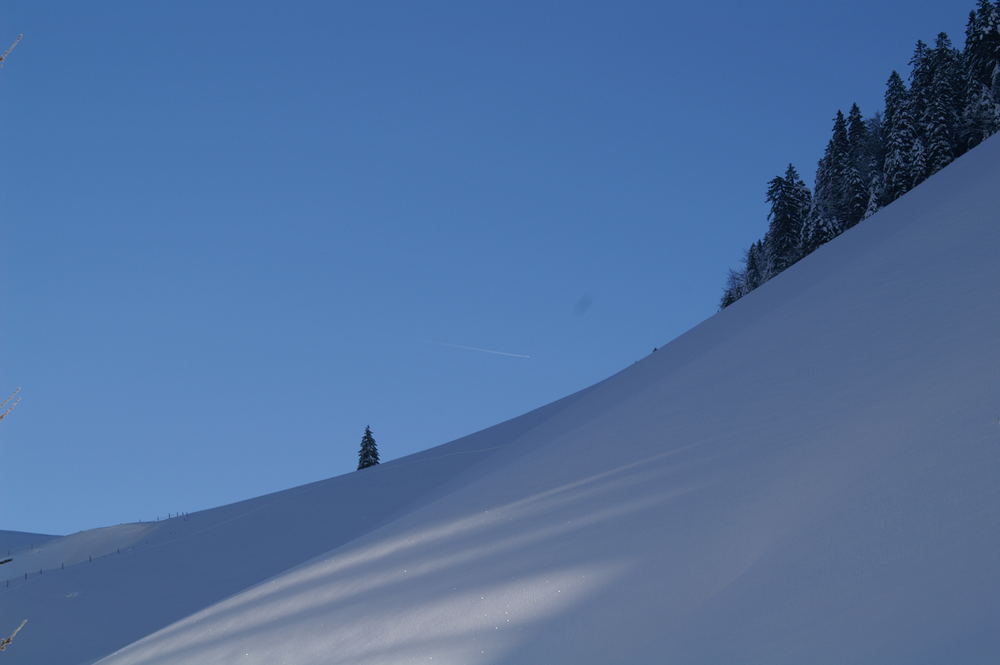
476,348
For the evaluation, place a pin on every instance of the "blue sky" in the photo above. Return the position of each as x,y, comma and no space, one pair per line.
235,233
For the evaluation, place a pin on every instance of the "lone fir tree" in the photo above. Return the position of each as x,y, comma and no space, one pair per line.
368,455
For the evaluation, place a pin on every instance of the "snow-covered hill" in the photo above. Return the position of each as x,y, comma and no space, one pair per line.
12,541
810,476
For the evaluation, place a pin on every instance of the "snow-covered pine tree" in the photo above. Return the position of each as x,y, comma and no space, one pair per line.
980,115
756,266
982,47
790,201
994,39
876,158
952,105
857,131
858,167
940,120
746,279
735,288
918,163
981,60
818,231
876,142
832,178
921,78
368,455
900,141
874,196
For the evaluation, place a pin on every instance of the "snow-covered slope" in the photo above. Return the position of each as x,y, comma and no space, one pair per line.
809,476
12,541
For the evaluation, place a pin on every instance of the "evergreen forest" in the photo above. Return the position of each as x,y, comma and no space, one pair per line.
950,104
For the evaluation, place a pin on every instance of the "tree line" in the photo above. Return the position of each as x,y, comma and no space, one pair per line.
952,104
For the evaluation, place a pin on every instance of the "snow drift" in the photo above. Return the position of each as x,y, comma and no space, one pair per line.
810,476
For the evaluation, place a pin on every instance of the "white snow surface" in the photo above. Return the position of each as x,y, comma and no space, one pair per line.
13,541
810,476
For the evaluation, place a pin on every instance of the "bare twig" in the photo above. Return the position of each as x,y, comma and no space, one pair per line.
5,642
8,405
10,49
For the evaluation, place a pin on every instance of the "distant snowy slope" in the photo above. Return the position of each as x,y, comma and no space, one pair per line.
103,588
810,476
12,541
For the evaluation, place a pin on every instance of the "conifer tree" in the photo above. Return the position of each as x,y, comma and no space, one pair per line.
859,168
900,141
832,178
749,277
368,455
876,144
980,115
921,76
756,264
876,158
919,97
918,163
735,288
981,60
940,121
858,140
818,231
790,201
993,38
951,104
982,47
874,196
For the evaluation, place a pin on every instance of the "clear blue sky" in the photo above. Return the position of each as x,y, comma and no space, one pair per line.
235,233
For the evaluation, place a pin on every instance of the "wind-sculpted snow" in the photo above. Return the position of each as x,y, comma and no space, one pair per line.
810,476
